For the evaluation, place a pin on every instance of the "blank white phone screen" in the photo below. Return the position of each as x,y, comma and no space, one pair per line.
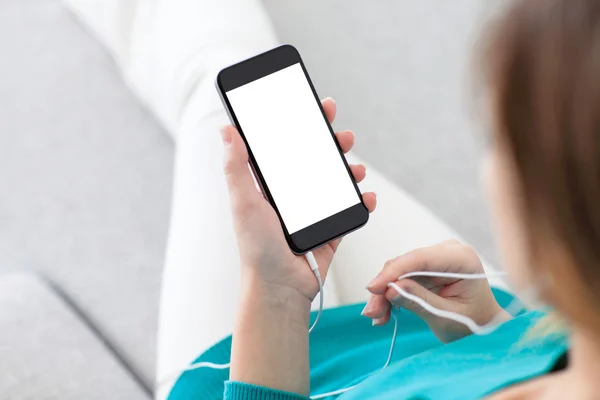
293,147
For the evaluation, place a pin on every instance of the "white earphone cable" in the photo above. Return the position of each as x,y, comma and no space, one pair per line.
476,329
387,362
314,266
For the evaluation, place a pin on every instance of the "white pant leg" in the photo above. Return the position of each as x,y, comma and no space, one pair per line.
165,47
178,47
400,224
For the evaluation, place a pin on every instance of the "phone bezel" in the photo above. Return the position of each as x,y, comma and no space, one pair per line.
259,66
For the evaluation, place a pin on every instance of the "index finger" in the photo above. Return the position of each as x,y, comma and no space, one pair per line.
330,108
438,258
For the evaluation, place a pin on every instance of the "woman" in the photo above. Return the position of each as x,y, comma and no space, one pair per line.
541,68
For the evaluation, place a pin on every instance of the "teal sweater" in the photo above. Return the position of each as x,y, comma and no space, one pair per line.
345,349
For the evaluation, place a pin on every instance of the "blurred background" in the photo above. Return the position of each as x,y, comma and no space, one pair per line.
87,154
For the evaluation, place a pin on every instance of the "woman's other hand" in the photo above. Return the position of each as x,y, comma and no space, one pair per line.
266,259
472,298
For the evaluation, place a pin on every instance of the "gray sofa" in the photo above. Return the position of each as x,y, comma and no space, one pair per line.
85,173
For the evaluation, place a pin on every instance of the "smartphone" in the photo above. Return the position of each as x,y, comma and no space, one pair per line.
293,152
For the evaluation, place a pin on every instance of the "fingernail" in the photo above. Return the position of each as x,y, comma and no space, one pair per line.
377,321
365,310
226,135
372,283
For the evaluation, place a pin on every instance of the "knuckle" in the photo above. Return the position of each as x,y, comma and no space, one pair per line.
242,208
238,207
389,265
468,249
471,257
229,167
417,256
469,252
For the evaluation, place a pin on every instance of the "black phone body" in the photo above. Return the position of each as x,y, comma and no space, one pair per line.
293,152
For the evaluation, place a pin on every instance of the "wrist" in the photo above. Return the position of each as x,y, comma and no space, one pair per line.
274,297
496,315
270,337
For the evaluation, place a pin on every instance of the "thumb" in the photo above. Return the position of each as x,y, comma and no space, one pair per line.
239,178
413,288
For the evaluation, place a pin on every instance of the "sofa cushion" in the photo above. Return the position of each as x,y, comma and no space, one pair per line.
85,176
48,352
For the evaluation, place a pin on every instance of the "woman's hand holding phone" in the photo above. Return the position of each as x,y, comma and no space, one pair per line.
266,258
270,341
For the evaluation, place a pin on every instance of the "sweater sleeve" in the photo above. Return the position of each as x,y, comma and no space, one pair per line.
245,391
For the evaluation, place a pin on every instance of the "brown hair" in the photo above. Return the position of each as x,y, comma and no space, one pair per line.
542,68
